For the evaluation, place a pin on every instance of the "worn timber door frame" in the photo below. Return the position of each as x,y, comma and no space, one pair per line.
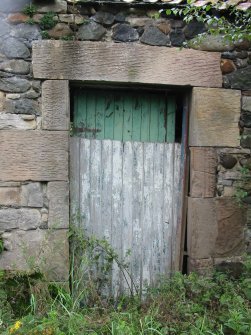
59,62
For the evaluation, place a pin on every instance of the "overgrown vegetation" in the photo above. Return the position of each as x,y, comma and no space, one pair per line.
182,305
48,21
242,187
230,22
30,10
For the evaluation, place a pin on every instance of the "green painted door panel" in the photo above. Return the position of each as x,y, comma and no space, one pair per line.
124,115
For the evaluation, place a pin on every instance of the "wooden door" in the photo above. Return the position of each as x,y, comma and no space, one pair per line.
125,176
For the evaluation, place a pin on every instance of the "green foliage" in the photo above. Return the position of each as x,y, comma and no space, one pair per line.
30,10
48,21
182,305
235,25
1,245
30,21
45,35
92,260
241,191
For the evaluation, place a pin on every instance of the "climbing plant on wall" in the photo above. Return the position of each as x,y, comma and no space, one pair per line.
234,24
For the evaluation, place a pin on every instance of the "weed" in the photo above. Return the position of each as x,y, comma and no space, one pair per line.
30,10
45,35
1,245
48,21
30,21
183,305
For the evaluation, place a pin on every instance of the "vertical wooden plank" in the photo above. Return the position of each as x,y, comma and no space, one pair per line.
177,210
127,114
136,122
167,208
145,119
138,224
154,117
95,188
162,121
147,213
170,127
106,198
109,116
127,211
84,166
74,179
100,117
90,124
106,188
118,117
80,113
157,210
117,161
130,196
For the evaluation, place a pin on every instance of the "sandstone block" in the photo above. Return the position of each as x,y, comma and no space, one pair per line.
66,18
58,196
229,191
203,165
9,196
213,112
136,22
202,227
32,195
60,30
55,105
201,266
23,219
17,18
164,26
33,155
44,250
137,63
215,228
227,66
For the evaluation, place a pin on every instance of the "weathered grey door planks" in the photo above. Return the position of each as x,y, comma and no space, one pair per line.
128,193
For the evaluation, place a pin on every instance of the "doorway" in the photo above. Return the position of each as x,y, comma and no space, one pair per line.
126,179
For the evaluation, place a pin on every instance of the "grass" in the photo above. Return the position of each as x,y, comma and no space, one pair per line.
182,305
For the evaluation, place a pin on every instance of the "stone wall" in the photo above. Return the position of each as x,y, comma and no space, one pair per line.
34,192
